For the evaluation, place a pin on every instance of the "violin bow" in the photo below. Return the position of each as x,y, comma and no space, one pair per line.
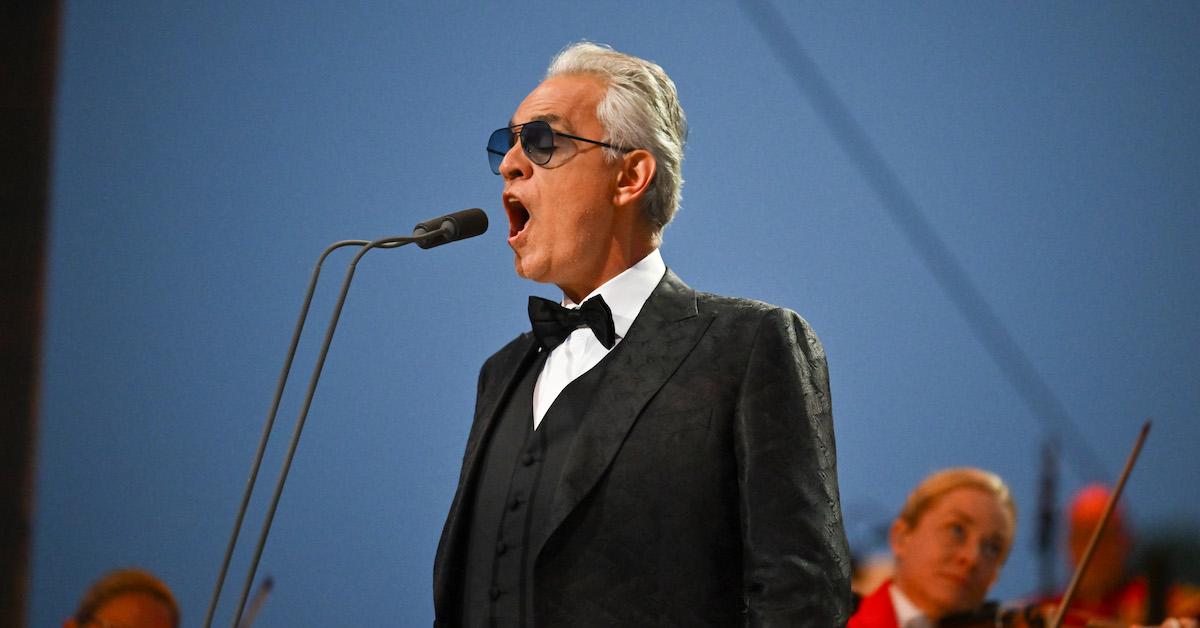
1061,612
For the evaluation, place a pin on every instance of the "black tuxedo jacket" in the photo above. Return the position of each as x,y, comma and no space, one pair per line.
701,488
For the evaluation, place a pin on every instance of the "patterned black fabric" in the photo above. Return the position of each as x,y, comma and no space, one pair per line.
701,488
513,495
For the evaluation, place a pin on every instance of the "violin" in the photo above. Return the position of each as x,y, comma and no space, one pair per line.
992,615
1051,615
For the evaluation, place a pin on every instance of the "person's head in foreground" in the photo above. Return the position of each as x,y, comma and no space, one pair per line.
1106,571
126,598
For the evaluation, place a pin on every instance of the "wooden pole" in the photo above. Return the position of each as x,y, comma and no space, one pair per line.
28,65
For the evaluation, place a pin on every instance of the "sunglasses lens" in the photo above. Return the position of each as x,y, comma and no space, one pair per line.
537,139
497,147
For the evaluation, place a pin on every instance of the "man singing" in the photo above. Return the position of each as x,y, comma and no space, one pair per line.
648,455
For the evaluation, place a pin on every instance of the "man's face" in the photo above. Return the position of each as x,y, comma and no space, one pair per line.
561,215
1106,571
949,559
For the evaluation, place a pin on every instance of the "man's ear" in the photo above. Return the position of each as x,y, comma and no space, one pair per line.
637,171
897,535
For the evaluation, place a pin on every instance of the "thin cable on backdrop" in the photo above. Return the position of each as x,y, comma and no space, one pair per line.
941,263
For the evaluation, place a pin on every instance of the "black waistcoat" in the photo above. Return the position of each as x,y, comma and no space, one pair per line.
510,505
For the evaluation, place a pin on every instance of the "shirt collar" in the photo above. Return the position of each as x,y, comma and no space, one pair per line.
907,613
626,293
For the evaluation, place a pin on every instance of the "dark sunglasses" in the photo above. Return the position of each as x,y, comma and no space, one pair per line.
538,140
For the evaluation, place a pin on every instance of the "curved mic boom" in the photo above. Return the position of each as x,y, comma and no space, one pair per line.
459,225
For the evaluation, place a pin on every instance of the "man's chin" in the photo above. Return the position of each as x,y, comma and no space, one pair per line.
961,603
524,269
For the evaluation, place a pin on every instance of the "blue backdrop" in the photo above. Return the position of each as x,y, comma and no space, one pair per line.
206,152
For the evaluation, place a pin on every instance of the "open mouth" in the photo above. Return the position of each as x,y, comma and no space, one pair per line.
518,216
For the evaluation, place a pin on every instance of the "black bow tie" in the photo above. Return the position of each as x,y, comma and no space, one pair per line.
552,323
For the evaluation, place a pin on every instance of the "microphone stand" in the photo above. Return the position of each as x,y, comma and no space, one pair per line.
390,242
270,422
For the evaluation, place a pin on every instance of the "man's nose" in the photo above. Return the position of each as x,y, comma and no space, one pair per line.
516,164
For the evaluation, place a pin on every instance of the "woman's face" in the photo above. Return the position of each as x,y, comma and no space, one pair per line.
948,560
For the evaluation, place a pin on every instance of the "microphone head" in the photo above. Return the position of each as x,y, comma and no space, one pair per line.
460,225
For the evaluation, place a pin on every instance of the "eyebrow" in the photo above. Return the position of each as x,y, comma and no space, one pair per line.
962,515
545,117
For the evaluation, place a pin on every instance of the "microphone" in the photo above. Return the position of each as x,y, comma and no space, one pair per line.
460,225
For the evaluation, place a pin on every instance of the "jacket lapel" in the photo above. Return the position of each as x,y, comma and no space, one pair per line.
505,373
505,376
663,334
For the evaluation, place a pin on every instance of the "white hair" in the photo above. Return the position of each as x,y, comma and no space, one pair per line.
640,109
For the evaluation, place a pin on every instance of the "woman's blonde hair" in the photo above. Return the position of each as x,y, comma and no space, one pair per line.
937,484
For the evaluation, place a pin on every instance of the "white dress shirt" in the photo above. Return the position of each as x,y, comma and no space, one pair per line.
907,613
625,295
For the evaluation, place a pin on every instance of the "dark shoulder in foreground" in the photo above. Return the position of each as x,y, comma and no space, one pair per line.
749,321
737,306
511,351
747,311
